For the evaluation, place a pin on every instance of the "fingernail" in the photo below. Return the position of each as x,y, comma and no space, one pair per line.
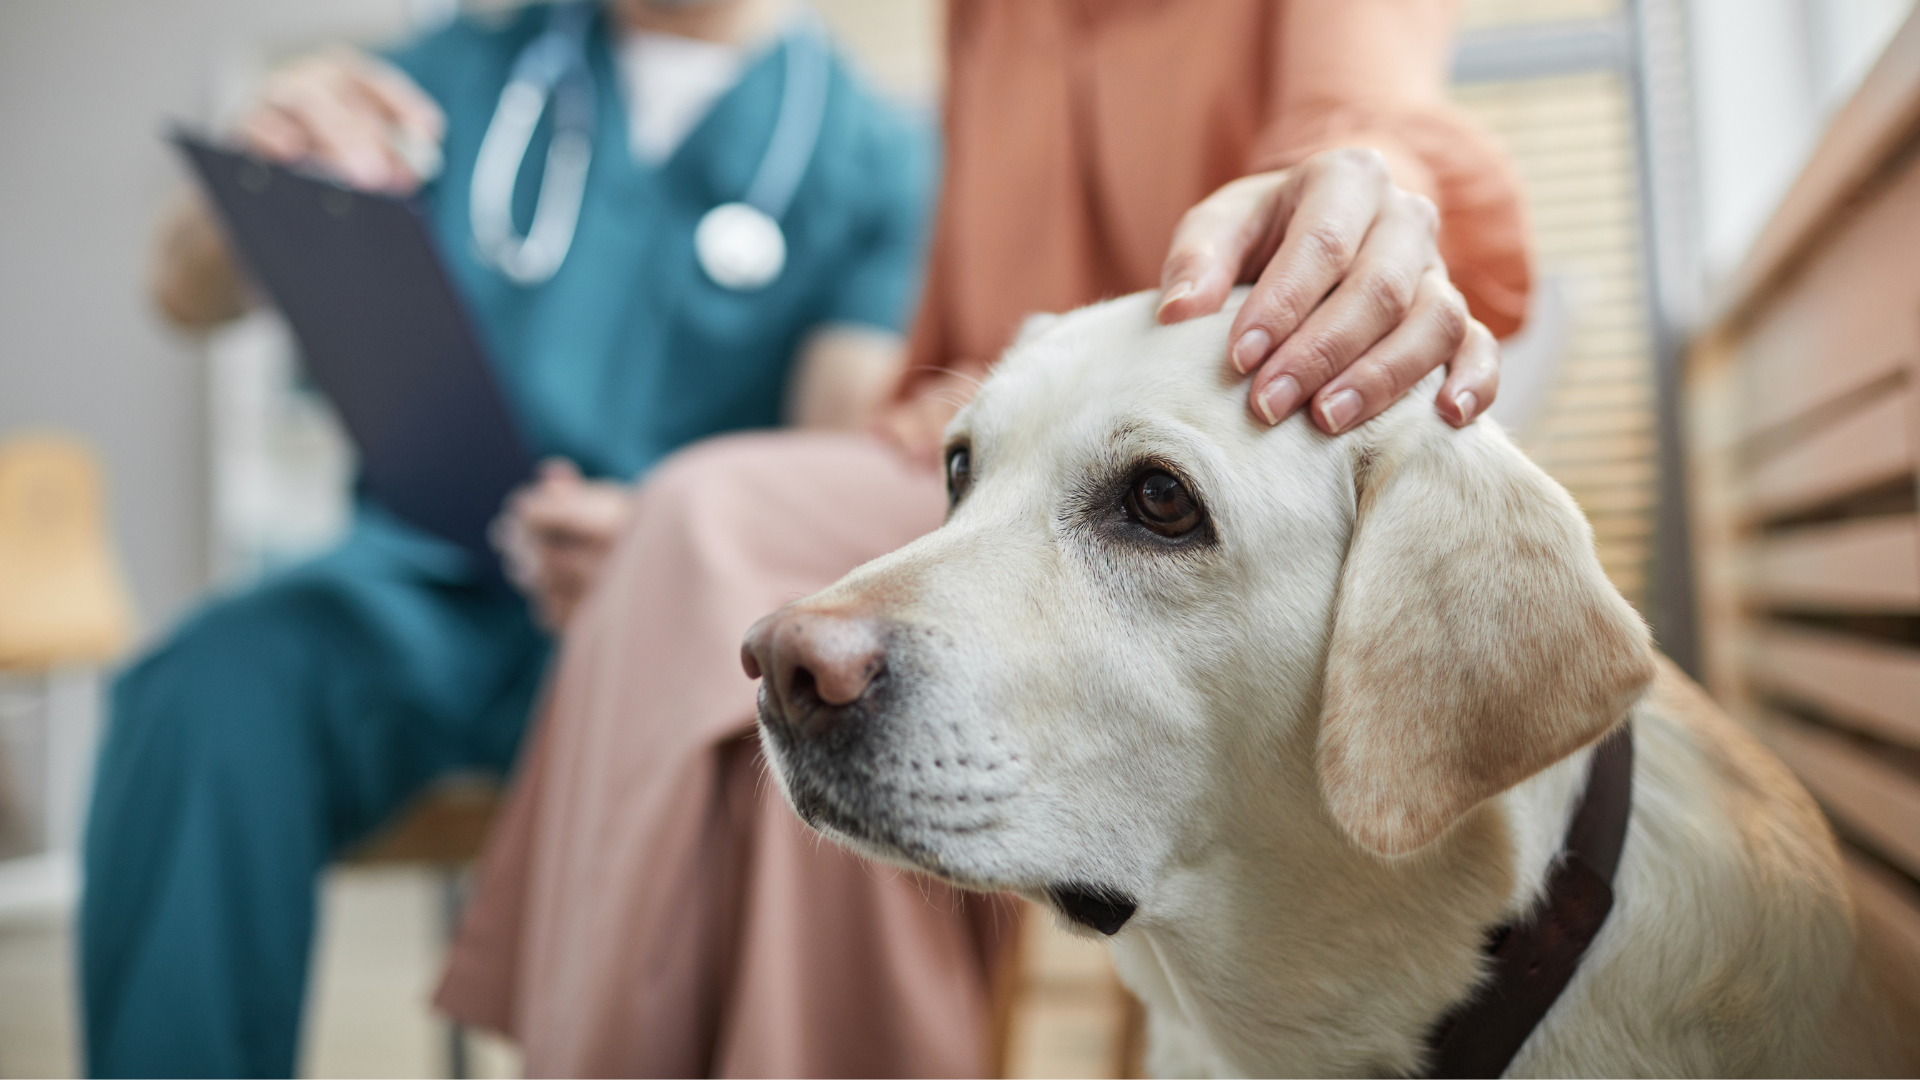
1250,350
367,170
1280,398
1466,403
1340,410
1179,290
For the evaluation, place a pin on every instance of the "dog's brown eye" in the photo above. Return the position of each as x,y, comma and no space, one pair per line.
959,474
1162,503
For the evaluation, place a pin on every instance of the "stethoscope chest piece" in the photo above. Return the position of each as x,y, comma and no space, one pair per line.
740,247
738,244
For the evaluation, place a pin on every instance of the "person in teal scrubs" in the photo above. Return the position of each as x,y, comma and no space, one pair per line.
275,727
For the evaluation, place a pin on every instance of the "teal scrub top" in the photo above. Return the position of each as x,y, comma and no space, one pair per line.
629,351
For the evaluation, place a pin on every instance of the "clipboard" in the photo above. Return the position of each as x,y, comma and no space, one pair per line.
383,334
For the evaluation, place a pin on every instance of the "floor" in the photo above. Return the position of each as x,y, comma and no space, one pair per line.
36,989
1069,1018
380,951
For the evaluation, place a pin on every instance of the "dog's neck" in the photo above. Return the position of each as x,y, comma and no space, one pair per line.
1288,951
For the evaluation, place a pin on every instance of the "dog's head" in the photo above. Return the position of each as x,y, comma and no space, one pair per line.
1149,618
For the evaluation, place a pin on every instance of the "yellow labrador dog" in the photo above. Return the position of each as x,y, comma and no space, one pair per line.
1307,726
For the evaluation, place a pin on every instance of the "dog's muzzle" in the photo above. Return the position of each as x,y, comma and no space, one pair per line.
816,665
817,669
843,722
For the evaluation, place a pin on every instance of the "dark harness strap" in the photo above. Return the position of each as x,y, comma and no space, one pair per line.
1534,960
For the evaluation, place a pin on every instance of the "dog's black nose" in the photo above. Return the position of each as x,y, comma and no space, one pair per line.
815,662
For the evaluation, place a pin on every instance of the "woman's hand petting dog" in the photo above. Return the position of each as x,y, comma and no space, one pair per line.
1351,303
555,534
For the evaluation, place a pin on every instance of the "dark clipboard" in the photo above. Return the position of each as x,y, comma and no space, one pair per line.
383,335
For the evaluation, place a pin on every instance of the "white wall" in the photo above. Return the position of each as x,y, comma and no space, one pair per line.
86,89
1767,74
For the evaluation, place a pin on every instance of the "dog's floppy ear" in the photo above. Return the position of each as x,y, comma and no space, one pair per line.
1476,640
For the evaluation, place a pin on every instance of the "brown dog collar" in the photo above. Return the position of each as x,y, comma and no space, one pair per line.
1534,959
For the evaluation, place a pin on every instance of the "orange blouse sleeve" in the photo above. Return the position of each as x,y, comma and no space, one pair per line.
1374,73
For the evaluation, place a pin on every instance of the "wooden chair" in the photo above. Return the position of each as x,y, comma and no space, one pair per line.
63,610
444,829
1060,1009
63,599
63,603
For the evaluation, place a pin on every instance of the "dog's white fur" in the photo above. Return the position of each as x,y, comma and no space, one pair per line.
1327,750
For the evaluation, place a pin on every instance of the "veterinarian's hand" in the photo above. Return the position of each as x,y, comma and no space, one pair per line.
1351,303
555,535
351,114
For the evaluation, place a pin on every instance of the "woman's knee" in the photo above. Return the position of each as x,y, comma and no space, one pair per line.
753,459
792,484
747,520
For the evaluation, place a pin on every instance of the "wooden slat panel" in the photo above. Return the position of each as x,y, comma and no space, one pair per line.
1887,908
1718,582
1913,404
1866,448
1869,799
1846,321
1862,134
1872,687
1888,899
1870,564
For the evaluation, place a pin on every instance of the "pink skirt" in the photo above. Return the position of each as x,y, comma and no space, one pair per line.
648,905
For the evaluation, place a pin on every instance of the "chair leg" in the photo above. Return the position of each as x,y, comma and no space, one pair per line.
453,901
26,710
457,1067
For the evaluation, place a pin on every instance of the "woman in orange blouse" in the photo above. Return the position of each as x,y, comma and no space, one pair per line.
648,904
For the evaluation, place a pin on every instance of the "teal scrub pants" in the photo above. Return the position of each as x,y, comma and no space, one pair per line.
273,729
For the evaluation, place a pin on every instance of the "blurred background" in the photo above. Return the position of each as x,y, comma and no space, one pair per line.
1657,141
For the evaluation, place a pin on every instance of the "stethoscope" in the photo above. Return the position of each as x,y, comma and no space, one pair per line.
739,245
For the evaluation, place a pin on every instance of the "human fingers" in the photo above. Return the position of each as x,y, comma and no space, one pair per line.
558,470
568,573
553,512
414,127
1428,337
543,501
548,493
1376,294
557,605
1473,377
1216,241
552,602
519,554
573,511
352,136
342,128
397,96
569,563
1340,194
555,612
544,583
275,135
